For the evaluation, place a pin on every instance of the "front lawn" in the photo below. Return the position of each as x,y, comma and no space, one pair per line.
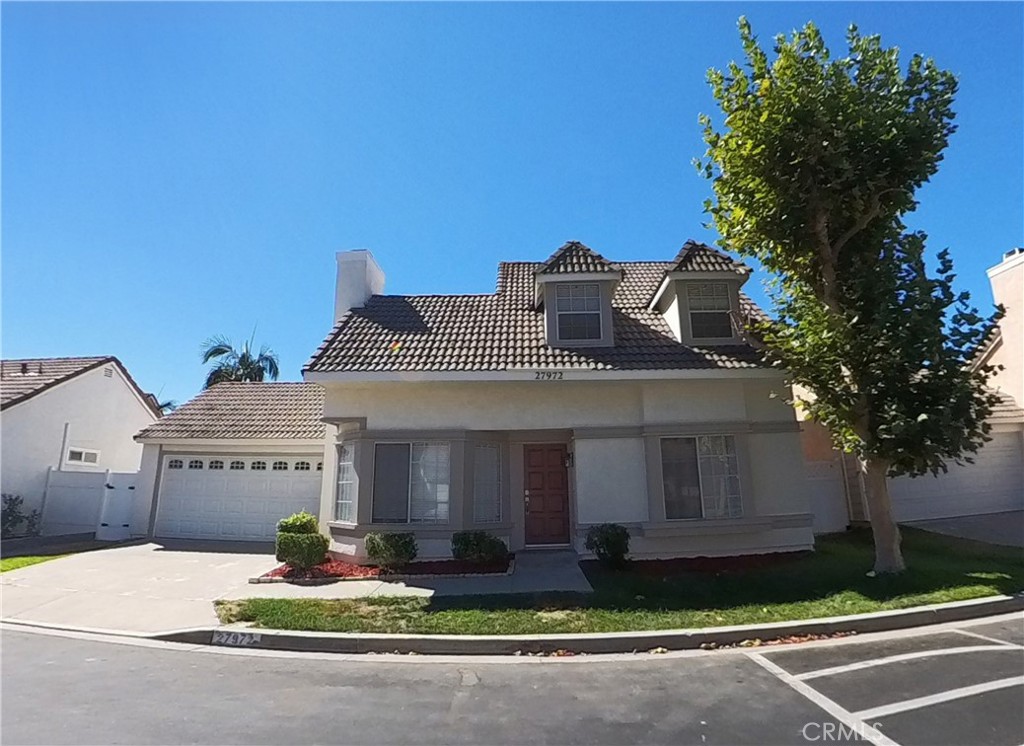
16,563
830,582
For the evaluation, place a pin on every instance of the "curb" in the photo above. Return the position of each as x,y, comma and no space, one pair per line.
593,643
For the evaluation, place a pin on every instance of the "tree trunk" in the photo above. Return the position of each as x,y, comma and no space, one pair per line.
888,557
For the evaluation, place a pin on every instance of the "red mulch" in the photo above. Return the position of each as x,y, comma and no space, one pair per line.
340,569
703,564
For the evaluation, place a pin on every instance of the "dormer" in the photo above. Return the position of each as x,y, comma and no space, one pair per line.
574,288
700,296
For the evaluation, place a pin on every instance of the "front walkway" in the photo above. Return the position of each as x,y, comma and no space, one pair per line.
995,528
159,587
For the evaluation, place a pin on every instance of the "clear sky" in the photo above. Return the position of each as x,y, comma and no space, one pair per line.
177,170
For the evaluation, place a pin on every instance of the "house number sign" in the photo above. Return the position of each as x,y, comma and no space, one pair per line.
235,639
548,375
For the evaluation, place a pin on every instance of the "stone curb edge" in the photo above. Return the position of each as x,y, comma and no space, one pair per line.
617,642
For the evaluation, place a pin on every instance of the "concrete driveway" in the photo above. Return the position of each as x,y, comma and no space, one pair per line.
995,528
141,588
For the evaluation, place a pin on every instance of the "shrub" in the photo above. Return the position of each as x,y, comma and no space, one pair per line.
479,547
33,523
610,542
391,550
299,523
301,551
10,515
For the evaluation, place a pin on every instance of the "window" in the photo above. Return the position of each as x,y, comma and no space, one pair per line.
237,465
578,308
709,310
280,466
319,465
486,484
344,507
83,456
216,464
410,483
301,466
259,466
701,477
195,464
175,463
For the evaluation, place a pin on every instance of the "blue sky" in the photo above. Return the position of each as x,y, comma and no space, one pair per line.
177,170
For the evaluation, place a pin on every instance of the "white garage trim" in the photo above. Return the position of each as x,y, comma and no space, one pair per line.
234,496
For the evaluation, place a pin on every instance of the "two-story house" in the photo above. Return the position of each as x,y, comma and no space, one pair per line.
581,391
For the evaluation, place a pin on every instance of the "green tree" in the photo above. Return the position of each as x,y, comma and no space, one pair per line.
816,165
243,364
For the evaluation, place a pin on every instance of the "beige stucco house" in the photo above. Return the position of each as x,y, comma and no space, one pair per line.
580,391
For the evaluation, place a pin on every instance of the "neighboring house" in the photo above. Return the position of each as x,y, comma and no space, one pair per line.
582,391
994,483
75,414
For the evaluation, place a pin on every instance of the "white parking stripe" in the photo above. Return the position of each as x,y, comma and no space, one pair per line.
1005,643
897,658
934,699
844,716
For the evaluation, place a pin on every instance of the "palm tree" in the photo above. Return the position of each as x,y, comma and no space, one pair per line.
237,365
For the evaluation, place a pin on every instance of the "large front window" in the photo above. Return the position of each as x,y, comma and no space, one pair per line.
344,507
578,308
410,482
709,310
701,477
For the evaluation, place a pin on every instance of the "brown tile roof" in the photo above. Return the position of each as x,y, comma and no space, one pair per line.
24,378
504,331
1006,409
246,410
699,257
575,257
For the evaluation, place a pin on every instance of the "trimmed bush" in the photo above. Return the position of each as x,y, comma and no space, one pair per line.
11,515
301,551
610,542
390,551
479,547
299,523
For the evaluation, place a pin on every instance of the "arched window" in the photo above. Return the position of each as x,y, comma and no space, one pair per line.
280,466
216,464
301,466
259,466
175,463
195,464
237,465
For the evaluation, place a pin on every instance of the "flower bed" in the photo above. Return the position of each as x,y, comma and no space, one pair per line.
334,569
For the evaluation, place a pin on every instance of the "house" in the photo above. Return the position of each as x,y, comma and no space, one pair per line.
581,391
994,483
68,416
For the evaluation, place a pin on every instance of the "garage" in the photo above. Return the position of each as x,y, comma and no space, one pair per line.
994,483
233,497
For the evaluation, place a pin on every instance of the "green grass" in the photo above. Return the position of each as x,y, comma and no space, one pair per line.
831,581
16,563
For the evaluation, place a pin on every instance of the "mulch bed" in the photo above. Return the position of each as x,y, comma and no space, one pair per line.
334,569
702,564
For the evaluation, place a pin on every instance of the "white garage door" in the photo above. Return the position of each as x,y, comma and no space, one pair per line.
234,497
992,484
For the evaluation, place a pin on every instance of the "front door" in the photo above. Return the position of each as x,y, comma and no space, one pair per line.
547,494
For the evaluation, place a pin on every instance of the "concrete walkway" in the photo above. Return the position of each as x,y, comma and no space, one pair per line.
995,528
159,587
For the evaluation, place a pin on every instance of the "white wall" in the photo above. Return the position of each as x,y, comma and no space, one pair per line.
611,480
104,414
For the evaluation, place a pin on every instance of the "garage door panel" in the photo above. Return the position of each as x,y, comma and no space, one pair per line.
994,483
233,504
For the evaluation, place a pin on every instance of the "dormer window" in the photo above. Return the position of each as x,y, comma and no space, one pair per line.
710,308
578,310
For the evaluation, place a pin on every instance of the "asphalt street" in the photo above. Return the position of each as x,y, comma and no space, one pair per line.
931,687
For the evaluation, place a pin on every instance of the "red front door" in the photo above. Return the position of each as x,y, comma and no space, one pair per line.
547,494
